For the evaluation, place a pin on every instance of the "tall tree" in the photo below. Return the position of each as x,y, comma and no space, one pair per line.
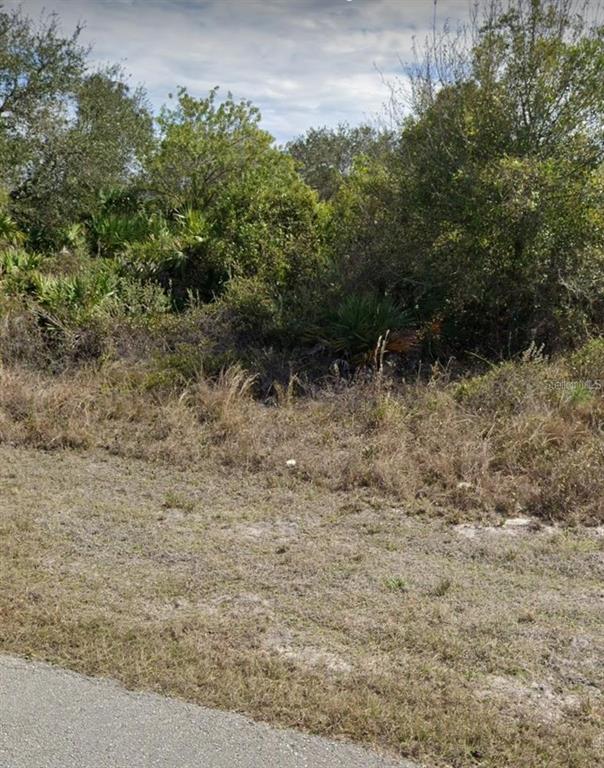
39,70
244,209
326,156
496,200
66,131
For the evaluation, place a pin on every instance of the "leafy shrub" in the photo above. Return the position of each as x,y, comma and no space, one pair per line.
235,205
354,328
489,209
17,267
9,231
139,300
252,306
587,363
509,387
111,232
75,294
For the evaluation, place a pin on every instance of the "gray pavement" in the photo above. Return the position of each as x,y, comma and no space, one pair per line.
51,718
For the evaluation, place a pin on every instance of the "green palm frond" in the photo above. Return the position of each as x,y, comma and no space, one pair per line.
354,328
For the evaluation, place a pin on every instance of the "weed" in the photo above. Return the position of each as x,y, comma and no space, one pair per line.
442,587
174,500
397,584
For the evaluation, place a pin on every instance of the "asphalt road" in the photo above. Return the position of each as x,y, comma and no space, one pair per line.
51,718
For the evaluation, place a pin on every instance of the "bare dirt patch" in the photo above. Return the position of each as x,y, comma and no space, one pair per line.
539,701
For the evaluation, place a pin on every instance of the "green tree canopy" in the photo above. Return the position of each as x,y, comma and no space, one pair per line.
326,156
66,132
494,195
243,210
39,69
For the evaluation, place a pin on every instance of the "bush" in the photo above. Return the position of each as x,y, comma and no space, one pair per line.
482,211
235,205
110,233
17,268
9,231
489,208
354,328
587,363
253,306
510,387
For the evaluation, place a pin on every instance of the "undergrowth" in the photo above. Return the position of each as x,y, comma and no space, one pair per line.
524,437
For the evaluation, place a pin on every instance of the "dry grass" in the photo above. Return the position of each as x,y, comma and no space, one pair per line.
162,536
262,592
507,443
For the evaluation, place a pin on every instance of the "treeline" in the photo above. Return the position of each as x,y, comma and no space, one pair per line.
474,223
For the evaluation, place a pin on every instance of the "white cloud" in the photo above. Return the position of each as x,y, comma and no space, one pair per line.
303,62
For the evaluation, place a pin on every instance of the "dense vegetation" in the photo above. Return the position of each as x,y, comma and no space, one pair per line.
315,432
474,224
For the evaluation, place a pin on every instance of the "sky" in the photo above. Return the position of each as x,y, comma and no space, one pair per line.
303,62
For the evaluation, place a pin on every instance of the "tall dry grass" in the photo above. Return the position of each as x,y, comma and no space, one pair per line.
509,442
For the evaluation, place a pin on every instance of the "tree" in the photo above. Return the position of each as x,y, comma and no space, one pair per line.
326,156
496,203
204,146
235,202
66,132
39,69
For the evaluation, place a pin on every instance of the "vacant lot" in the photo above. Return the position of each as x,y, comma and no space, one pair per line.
333,611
